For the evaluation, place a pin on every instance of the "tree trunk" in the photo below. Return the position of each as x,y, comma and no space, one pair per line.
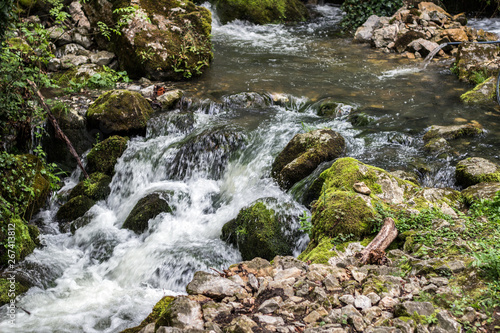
59,132
374,252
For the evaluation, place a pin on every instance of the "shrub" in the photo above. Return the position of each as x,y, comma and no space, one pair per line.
357,12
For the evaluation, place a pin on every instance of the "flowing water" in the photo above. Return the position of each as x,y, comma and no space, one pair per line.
212,157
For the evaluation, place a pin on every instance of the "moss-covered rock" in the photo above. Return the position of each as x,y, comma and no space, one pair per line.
482,93
304,153
145,209
262,11
96,187
163,40
74,208
158,311
119,112
259,230
318,252
9,290
18,236
473,59
453,132
475,170
480,191
102,158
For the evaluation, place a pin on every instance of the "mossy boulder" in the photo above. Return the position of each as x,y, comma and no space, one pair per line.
12,288
102,158
475,170
318,252
23,241
484,92
260,230
453,132
120,112
262,11
480,191
96,187
145,209
304,153
163,40
158,311
74,208
473,59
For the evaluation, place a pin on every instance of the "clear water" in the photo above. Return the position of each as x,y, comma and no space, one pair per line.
105,279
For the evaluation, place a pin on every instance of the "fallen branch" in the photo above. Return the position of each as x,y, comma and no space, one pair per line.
374,252
59,132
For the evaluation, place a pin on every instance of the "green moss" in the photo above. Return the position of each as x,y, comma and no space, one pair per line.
158,311
465,178
320,253
23,242
103,157
482,93
262,11
74,208
340,212
9,291
257,232
96,187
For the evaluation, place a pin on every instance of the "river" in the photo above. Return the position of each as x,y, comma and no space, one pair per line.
264,86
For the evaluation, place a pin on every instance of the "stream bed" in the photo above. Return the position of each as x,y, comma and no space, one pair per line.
265,85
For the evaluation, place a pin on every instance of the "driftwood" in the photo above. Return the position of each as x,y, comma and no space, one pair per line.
59,132
374,252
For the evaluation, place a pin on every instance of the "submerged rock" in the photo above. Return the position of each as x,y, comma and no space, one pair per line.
476,170
304,153
119,112
146,209
103,157
96,187
260,230
74,208
453,132
262,11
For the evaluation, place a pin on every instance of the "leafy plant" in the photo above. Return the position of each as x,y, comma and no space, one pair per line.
103,80
357,12
305,223
125,14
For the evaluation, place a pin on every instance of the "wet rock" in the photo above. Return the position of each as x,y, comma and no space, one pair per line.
74,208
183,313
304,153
437,146
146,209
452,132
484,92
477,58
262,12
480,191
364,33
170,99
213,286
96,187
150,47
475,170
103,157
119,112
259,231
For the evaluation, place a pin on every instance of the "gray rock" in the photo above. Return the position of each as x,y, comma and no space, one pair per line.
54,65
331,283
422,46
71,60
364,33
452,132
448,323
102,58
253,282
384,329
288,273
77,14
212,310
59,35
374,298
372,313
382,37
362,302
82,36
439,281
185,313
270,305
241,324
71,48
476,170
404,326
149,328
170,99
213,286
388,303
270,320
347,299
410,307
481,191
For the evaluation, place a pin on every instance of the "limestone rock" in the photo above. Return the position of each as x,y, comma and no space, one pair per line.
183,313
484,92
213,286
481,191
476,170
453,132
365,32
410,307
475,58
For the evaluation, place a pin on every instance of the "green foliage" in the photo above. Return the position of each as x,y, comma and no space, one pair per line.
125,14
305,223
357,12
182,62
107,79
478,77
6,15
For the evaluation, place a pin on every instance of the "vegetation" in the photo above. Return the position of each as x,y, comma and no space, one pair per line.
357,12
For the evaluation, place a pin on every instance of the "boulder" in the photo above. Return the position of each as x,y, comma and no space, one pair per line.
146,209
170,99
475,170
484,92
74,208
25,240
422,46
480,191
260,230
119,112
103,157
184,313
453,131
385,35
213,286
364,33
96,187
409,308
304,153
262,11
162,42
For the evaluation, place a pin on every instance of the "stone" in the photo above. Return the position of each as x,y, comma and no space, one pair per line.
270,305
170,99
241,324
372,313
212,310
96,187
447,322
422,46
374,298
213,286
362,188
71,48
406,326
71,60
270,320
364,33
304,153
82,36
485,190
59,35
475,170
347,299
149,328
483,93
388,303
144,210
119,112
102,58
453,132
104,155
454,35
74,208
77,14
362,302
293,272
477,58
408,308
385,35
183,313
